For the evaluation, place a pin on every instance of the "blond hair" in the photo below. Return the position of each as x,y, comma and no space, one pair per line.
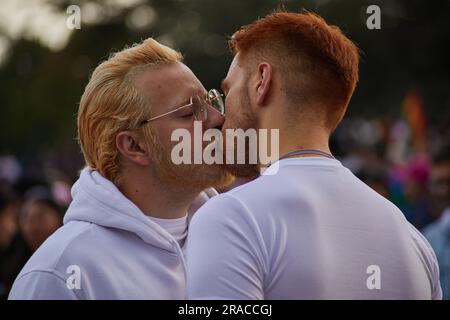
111,103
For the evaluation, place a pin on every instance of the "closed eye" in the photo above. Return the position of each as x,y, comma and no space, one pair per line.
186,113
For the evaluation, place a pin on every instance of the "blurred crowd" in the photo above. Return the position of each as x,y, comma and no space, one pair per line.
34,195
410,169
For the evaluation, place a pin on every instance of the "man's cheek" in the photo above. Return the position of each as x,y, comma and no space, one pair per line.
231,118
229,124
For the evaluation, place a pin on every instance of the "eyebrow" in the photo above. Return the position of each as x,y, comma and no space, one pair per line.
183,103
188,100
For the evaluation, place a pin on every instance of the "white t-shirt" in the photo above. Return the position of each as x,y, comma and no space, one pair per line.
175,227
311,231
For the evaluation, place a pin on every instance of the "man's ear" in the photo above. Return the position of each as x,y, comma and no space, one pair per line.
264,82
132,146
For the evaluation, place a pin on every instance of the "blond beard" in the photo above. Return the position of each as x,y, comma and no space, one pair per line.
185,176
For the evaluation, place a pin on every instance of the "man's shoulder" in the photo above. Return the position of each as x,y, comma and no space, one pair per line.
69,245
426,251
247,207
263,188
54,261
225,210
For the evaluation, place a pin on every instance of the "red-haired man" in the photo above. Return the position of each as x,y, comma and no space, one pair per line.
307,228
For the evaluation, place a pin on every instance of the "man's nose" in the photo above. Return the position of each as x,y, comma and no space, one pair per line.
215,119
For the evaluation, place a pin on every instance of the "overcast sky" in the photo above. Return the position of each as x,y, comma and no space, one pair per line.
37,19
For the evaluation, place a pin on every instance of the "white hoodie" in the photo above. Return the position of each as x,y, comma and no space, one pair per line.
107,249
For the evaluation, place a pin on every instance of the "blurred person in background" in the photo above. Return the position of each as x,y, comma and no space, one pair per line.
13,250
417,206
438,233
39,219
124,232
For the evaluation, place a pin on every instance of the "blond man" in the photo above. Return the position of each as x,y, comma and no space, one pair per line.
124,232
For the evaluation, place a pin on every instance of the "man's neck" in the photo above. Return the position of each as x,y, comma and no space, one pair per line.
294,141
293,135
155,199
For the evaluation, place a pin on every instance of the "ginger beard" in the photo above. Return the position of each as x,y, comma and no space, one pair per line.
186,176
244,120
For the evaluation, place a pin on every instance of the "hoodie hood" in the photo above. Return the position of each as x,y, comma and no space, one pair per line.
97,200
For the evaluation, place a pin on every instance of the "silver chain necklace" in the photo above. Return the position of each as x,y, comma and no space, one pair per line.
298,152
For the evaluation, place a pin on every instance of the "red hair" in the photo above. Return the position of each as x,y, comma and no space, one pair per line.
317,61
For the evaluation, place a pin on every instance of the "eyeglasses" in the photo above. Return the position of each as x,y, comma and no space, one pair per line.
199,105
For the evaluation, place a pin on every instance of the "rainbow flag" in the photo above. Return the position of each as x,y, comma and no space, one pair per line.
414,114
